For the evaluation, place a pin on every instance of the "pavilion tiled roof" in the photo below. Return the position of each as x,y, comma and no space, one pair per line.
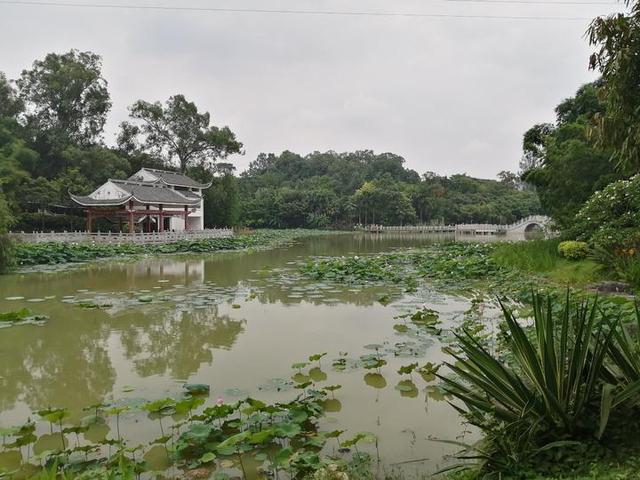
174,179
142,192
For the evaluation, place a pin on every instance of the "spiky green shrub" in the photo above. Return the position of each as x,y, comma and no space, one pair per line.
623,369
545,390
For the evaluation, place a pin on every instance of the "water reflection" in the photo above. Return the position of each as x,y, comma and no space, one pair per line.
177,343
43,366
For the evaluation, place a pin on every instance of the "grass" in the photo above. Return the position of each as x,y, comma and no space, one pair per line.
541,257
533,256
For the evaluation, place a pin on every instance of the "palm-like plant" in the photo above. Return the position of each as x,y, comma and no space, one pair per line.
548,386
623,372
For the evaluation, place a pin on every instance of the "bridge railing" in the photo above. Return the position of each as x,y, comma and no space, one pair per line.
118,238
482,228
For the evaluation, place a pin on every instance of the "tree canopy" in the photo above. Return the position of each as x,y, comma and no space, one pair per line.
341,189
65,97
563,162
617,58
178,132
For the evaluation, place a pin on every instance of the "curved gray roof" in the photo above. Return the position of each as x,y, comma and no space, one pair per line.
141,192
175,179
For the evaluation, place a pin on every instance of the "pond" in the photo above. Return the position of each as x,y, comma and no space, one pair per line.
124,331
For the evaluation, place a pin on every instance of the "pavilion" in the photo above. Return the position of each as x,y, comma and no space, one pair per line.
150,200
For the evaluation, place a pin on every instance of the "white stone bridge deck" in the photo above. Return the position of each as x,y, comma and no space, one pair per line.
120,238
521,226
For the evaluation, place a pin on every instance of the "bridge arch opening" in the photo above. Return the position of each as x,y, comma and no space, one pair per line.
533,227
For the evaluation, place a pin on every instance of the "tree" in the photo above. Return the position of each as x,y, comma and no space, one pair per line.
221,202
617,58
178,132
15,158
96,164
569,166
533,146
6,219
509,178
10,103
66,98
341,189
6,245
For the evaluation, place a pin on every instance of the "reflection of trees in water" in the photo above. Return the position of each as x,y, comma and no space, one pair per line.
177,342
61,367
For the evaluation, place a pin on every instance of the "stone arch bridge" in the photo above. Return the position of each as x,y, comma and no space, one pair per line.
524,225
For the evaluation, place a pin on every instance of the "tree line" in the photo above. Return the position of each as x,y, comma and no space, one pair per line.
52,120
343,189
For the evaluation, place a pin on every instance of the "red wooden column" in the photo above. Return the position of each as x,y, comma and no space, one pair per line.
130,216
186,214
161,217
89,220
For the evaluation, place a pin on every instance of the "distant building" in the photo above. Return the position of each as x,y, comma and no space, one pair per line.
150,200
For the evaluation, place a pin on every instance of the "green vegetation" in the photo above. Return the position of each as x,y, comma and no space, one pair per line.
507,267
281,439
21,317
561,160
572,250
455,265
617,59
543,257
610,219
534,256
59,253
583,166
342,189
552,392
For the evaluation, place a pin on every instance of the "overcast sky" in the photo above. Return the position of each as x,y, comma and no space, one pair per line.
450,95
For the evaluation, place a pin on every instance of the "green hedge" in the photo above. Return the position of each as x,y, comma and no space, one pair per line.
573,250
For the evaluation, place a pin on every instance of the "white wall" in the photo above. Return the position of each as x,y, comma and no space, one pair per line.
145,176
109,191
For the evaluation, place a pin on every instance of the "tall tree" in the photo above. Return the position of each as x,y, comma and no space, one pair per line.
618,59
569,166
10,104
66,98
178,132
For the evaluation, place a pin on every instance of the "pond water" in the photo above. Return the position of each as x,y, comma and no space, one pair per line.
237,322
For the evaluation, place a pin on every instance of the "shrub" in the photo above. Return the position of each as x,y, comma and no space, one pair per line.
550,387
573,250
610,219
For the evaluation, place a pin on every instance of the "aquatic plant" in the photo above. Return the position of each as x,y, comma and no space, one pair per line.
23,316
60,253
283,438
